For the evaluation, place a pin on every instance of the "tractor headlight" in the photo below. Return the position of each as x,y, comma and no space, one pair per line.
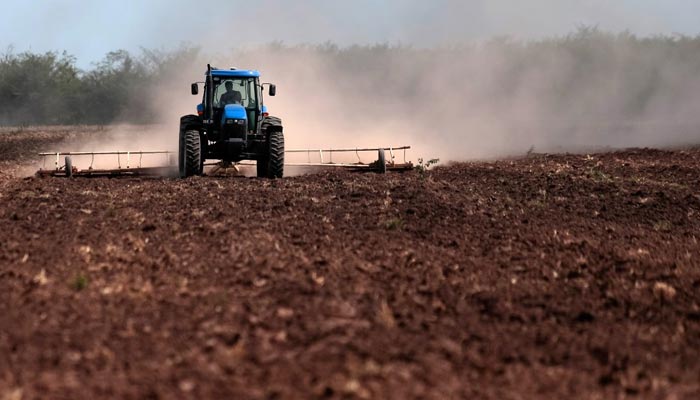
231,121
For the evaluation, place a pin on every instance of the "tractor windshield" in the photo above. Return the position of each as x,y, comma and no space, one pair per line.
235,91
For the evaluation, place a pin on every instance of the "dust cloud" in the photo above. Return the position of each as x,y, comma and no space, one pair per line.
588,91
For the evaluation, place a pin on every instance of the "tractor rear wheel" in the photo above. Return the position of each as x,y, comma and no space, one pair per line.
187,123
271,163
190,154
275,163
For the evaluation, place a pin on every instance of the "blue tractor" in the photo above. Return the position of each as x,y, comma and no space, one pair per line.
232,125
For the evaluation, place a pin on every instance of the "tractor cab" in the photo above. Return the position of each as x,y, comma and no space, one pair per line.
232,87
239,91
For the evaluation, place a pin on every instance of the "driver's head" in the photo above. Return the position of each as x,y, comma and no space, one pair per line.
229,86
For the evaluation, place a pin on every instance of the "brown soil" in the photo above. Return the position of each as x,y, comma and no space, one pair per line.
551,276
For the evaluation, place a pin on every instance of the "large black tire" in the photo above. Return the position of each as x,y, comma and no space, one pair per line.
271,164
275,166
190,154
187,123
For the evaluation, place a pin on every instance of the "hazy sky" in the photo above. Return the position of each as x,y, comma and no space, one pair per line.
90,28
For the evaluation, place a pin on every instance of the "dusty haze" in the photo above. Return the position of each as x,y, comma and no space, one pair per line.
590,90
587,91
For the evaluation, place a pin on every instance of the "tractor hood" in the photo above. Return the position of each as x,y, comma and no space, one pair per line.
233,111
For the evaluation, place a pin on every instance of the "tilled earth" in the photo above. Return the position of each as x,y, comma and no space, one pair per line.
550,276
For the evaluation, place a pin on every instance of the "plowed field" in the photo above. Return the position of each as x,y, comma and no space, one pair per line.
549,276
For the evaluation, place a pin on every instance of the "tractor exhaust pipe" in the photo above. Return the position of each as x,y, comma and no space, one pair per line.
209,90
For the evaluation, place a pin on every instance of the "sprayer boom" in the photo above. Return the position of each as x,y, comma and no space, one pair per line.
127,163
162,163
324,158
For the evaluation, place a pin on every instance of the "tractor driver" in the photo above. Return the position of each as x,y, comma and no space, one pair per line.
231,96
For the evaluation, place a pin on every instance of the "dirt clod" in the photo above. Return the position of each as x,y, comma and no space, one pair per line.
664,291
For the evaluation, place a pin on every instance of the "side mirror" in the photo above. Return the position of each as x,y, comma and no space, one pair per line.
273,90
195,89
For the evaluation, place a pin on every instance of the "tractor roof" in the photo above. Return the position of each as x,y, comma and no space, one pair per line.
241,73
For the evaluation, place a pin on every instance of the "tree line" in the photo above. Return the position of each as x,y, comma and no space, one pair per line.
49,89
586,74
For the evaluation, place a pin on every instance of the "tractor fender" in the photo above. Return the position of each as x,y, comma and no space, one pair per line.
190,122
272,124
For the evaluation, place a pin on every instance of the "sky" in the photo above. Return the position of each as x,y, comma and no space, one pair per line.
88,29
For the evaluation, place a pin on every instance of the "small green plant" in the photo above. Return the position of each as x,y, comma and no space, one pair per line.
394,224
598,175
424,166
79,282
